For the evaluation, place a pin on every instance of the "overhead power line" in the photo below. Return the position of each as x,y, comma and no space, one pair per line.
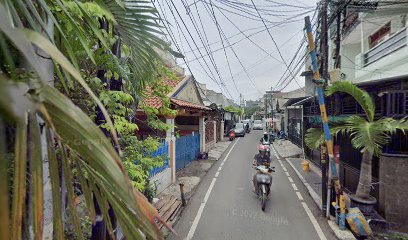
274,42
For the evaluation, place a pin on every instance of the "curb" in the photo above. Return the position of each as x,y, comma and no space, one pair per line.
316,198
340,234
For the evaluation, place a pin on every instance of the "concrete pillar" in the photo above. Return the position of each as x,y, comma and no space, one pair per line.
201,129
171,140
222,130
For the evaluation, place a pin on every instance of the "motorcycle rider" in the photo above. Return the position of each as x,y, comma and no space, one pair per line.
265,137
260,159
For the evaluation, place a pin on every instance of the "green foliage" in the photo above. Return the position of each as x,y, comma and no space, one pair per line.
71,46
250,111
361,96
366,134
238,110
140,152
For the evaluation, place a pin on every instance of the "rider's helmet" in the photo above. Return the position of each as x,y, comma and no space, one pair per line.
262,149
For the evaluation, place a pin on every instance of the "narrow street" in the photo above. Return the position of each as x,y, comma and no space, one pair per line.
224,206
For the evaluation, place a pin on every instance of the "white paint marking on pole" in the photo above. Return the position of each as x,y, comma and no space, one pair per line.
287,174
299,196
314,222
290,179
193,228
294,187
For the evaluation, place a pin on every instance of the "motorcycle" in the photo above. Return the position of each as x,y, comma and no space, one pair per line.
272,136
282,135
231,135
263,180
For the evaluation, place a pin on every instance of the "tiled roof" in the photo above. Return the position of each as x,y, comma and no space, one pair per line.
186,104
154,101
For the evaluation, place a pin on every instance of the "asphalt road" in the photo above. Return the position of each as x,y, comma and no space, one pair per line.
224,206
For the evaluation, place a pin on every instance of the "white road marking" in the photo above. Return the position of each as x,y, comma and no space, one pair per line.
299,196
311,191
314,222
284,169
307,209
290,179
217,173
204,202
222,164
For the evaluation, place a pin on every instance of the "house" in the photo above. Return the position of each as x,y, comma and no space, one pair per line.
186,137
219,103
369,49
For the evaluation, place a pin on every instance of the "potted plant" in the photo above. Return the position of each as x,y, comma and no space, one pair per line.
369,134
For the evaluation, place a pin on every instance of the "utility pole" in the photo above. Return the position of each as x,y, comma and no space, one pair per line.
333,175
324,73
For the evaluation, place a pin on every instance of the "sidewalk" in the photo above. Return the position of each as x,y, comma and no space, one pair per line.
312,180
168,202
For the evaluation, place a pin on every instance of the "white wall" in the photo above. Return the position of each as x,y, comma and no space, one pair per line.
162,180
348,62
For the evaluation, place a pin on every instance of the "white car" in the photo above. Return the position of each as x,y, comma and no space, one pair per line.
258,125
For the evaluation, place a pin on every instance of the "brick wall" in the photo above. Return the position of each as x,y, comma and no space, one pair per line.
393,194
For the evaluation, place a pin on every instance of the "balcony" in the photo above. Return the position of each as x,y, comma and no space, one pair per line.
395,42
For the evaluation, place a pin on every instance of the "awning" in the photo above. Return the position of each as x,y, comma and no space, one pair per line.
190,105
291,101
303,101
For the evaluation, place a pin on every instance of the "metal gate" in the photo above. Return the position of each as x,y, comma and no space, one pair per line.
187,150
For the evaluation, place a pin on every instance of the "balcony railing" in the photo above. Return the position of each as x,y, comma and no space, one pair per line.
395,42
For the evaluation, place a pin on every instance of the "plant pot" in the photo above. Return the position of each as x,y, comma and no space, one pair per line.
366,206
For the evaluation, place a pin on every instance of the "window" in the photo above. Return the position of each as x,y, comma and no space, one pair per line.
380,35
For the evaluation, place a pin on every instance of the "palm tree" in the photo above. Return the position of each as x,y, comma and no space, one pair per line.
73,142
367,133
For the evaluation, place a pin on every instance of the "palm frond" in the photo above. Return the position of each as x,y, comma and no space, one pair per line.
137,25
366,135
99,159
19,182
35,159
361,96
4,188
315,137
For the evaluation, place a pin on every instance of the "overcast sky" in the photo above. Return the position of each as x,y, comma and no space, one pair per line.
258,56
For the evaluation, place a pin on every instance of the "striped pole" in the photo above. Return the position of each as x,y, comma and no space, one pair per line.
333,175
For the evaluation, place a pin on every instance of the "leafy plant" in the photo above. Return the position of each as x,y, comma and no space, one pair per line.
367,133
139,159
83,147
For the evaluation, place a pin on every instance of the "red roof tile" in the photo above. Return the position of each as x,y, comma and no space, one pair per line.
154,101
186,104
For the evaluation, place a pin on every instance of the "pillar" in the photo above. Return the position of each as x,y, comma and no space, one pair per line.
222,130
171,140
201,129
215,131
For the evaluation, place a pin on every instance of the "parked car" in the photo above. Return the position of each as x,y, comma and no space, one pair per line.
258,125
239,130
